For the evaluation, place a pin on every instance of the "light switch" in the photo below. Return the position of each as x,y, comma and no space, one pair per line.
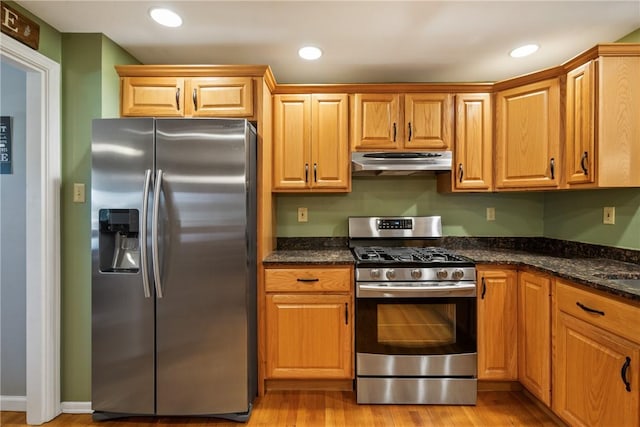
303,215
609,215
78,193
491,214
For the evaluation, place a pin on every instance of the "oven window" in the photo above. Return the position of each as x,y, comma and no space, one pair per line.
416,325
410,326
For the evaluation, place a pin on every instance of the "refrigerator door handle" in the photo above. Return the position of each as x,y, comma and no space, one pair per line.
143,235
154,234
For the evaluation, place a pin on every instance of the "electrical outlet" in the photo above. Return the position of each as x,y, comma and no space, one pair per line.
491,214
303,215
78,193
609,215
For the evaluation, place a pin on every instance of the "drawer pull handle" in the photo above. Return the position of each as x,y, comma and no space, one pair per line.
308,280
589,310
484,288
623,374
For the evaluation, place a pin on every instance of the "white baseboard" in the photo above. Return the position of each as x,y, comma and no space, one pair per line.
76,408
13,403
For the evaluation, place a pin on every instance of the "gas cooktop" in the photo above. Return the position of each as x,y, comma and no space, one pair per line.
416,255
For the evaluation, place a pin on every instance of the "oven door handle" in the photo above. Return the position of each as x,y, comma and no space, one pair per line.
409,290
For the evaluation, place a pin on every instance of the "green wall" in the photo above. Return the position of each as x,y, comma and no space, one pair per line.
633,37
517,214
90,89
577,216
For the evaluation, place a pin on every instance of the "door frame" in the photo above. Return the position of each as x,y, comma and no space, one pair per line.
43,176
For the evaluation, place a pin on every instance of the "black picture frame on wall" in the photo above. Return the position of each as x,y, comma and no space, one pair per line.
5,145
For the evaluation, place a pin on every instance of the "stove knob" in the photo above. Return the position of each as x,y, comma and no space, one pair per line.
442,274
457,274
375,273
416,274
391,274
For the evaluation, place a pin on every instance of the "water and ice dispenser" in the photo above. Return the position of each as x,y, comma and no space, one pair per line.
119,240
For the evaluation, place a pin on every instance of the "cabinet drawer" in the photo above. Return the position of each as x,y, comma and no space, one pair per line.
308,279
619,318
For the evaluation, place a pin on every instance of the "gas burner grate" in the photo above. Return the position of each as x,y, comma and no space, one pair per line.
423,255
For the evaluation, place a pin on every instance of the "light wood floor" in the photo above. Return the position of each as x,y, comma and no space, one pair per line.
321,408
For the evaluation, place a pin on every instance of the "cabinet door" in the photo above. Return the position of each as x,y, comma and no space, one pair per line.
330,159
580,132
376,121
309,336
497,324
291,141
152,96
473,148
590,370
528,136
428,121
220,97
534,335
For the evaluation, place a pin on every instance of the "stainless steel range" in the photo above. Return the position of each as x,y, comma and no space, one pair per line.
415,314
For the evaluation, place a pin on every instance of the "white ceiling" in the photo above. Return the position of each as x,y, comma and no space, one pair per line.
363,41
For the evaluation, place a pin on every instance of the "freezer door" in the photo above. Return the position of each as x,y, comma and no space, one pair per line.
202,315
122,346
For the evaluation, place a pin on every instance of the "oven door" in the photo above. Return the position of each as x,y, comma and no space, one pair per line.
416,325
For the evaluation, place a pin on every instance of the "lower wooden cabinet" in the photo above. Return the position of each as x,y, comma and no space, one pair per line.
309,323
596,371
309,336
497,323
534,334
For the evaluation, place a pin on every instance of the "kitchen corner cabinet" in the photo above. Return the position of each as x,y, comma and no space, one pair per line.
528,136
596,359
497,323
534,334
602,126
310,142
309,323
391,121
187,97
473,148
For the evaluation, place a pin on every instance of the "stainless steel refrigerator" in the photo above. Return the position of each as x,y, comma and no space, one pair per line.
173,241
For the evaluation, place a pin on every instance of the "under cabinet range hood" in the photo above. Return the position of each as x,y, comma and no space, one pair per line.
399,163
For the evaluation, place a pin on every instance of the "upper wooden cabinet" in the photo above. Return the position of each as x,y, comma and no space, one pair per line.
602,126
497,323
473,146
219,97
528,136
413,121
187,97
152,96
310,141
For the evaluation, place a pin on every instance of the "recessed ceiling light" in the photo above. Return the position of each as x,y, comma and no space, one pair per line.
165,17
525,50
310,53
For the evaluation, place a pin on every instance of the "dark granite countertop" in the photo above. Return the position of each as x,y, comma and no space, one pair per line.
578,263
595,273
310,256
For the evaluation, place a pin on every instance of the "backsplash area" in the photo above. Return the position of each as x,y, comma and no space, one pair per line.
517,214
566,215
